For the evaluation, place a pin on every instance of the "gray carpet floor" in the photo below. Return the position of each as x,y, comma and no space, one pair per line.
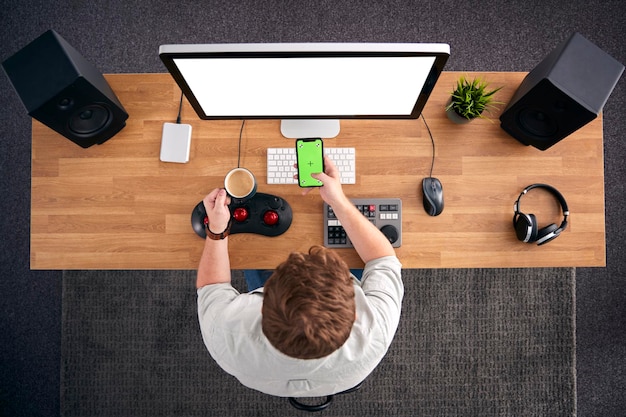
470,342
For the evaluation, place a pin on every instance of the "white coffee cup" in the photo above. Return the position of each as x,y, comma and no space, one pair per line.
240,183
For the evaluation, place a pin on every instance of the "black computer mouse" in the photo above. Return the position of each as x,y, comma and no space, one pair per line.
433,196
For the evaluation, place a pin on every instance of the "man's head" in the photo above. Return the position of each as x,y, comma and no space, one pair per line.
308,304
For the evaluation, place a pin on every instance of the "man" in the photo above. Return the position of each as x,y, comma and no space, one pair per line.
313,329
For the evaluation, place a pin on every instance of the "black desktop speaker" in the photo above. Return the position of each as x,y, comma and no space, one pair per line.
563,93
65,92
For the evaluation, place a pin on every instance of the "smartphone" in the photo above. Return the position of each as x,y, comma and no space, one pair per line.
310,159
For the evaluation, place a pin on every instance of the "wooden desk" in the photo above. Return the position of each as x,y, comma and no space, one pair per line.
116,206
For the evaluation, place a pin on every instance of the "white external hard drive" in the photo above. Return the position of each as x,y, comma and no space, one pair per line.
175,142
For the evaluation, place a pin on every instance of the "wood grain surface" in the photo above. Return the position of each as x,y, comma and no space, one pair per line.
117,206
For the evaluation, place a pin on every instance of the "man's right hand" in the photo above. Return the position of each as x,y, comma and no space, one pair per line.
331,192
368,241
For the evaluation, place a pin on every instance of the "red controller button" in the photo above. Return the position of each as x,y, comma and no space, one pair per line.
206,220
270,218
240,214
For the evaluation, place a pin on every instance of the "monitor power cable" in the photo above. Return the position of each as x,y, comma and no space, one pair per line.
180,108
432,141
243,122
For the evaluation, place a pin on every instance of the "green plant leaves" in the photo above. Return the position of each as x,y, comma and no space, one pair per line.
470,98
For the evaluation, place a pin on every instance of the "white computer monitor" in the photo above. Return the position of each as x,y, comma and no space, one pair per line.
306,85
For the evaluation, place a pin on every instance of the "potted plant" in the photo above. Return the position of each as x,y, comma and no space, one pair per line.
469,99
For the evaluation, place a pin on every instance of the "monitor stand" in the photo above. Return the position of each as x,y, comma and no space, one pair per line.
309,128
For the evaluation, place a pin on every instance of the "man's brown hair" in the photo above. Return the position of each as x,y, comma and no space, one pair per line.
308,304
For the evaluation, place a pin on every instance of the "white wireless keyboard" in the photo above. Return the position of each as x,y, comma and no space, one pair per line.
280,162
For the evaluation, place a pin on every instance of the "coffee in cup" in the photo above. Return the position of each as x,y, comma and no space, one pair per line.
240,183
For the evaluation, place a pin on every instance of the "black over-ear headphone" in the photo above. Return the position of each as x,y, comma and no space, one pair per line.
526,224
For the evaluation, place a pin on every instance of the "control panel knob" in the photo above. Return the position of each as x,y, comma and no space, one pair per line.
275,203
390,232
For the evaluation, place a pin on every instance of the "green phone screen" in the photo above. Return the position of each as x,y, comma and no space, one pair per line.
310,153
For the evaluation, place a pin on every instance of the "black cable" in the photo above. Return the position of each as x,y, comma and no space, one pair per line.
243,122
180,107
432,163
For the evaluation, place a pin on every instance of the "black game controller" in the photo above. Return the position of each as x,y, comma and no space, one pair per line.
263,214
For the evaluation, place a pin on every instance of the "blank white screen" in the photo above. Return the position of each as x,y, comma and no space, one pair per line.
339,86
